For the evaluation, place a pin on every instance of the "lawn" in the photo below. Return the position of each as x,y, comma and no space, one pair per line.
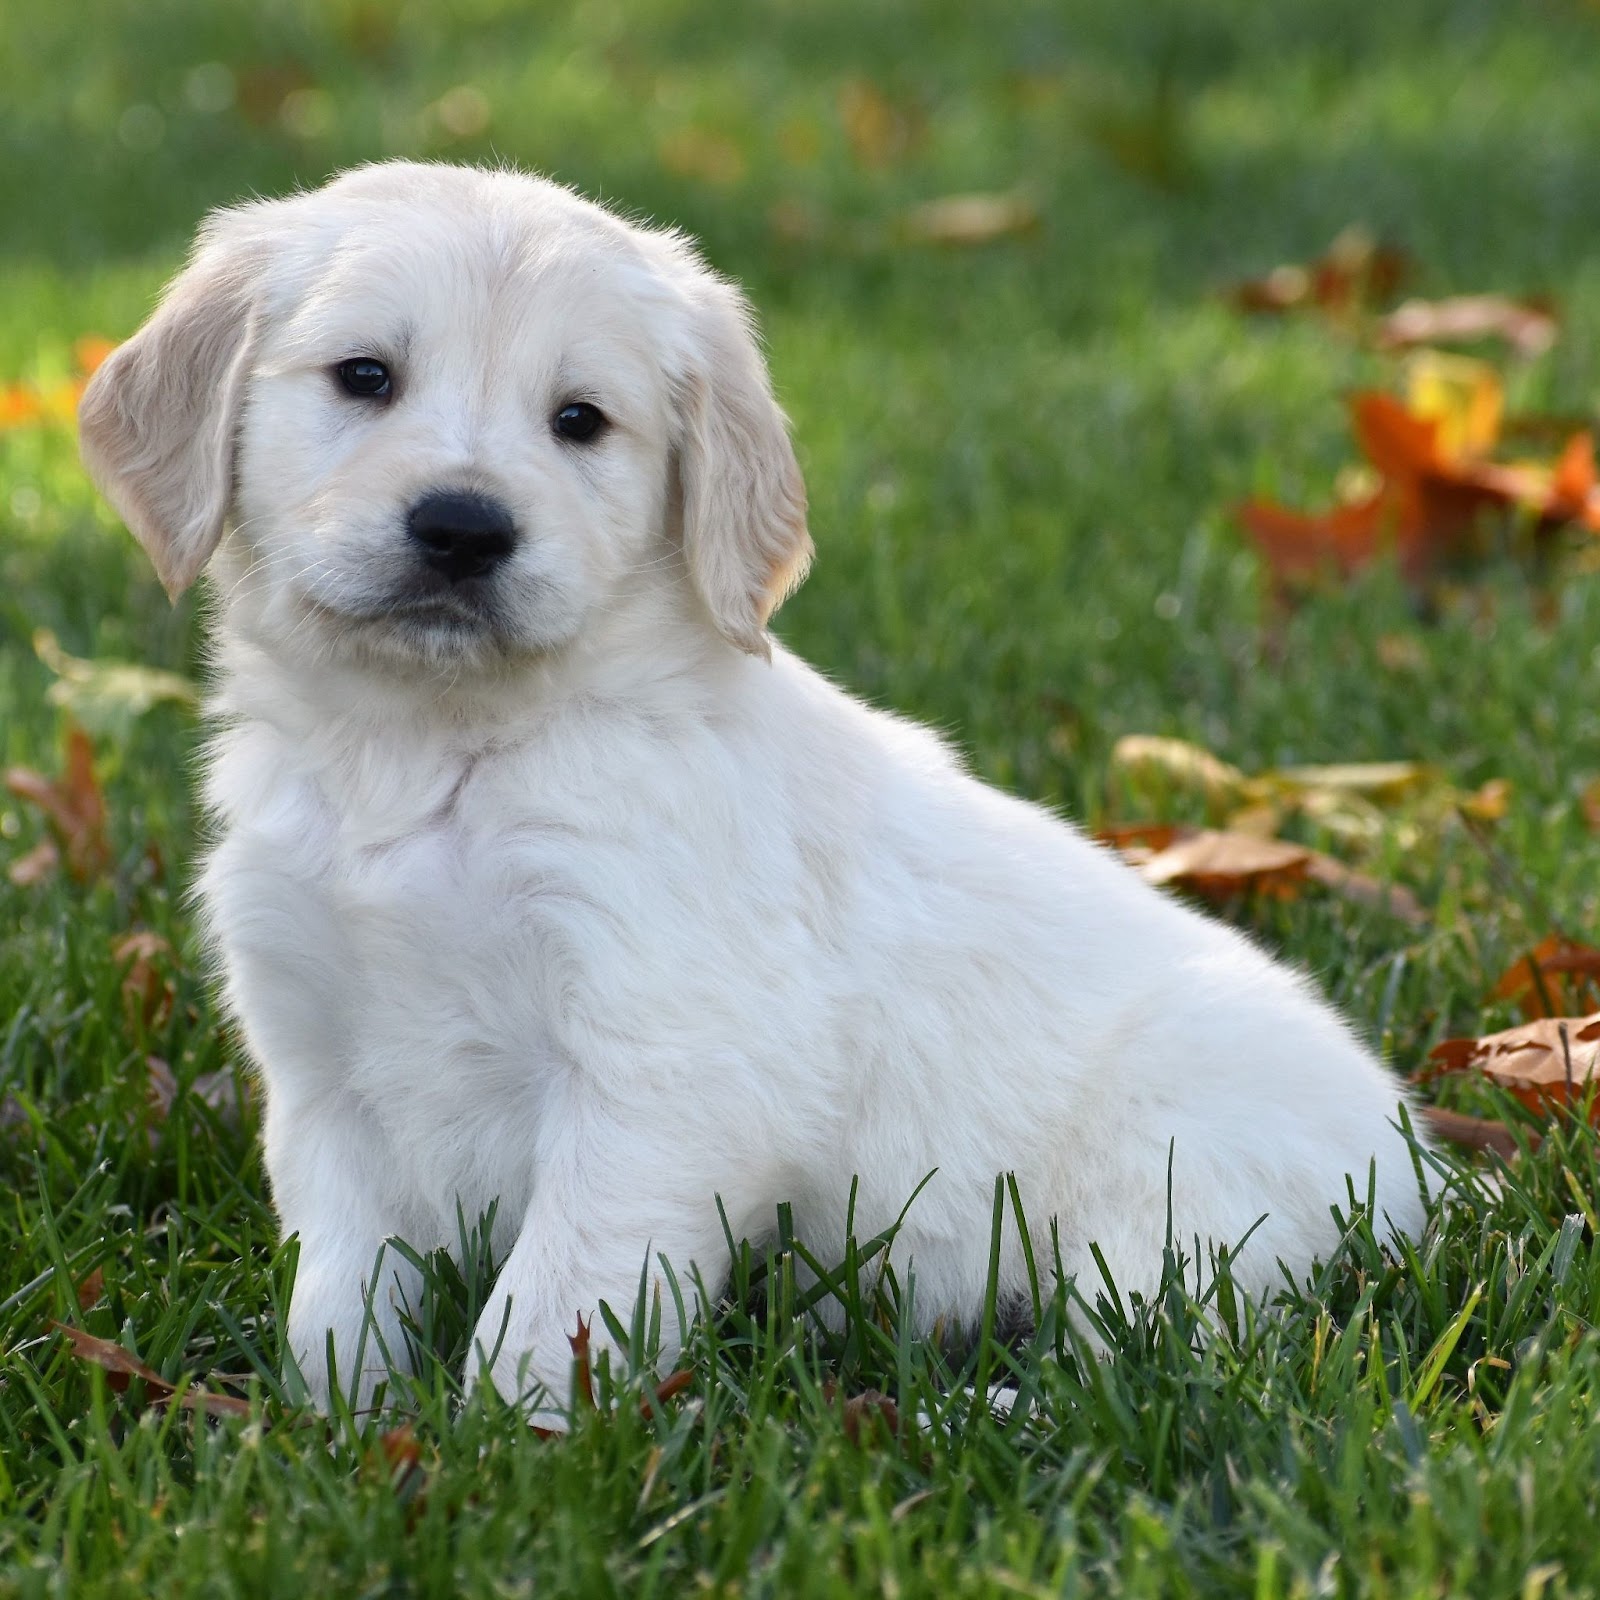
1022,455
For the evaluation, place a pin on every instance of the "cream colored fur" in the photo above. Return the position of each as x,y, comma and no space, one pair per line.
594,901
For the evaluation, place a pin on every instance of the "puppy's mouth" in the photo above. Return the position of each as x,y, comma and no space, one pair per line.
465,619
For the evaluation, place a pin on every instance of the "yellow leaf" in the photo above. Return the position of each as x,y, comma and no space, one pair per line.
1463,396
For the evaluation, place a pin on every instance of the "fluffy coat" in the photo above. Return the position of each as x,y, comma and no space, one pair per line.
577,892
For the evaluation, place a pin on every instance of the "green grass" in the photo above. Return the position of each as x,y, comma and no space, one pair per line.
1020,459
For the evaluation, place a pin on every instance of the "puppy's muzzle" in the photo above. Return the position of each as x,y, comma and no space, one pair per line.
460,535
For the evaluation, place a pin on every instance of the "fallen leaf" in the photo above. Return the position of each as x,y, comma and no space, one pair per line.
1436,479
971,219
669,1388
879,130
1153,765
91,1288
90,351
26,405
103,695
1473,1133
1301,546
1528,326
72,804
399,1452
1220,865
1464,399
1555,978
866,1417
1547,1062
147,993
582,1372
161,1087
1589,802
35,865
121,1367
1355,272
1399,652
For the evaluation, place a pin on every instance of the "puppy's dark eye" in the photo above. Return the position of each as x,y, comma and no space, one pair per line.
365,377
579,421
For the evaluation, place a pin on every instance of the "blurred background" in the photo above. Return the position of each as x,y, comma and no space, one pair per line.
995,252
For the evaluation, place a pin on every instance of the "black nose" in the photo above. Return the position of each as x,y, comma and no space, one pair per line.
462,535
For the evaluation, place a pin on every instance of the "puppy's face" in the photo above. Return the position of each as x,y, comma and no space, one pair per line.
448,418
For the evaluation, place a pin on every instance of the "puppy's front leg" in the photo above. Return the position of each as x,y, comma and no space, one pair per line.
327,1167
582,1244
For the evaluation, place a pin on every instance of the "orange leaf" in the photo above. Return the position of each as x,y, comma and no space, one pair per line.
669,1388
1549,1061
1300,545
582,1373
1557,971
90,351
1399,444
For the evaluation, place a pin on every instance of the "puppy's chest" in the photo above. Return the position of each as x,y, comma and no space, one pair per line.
419,935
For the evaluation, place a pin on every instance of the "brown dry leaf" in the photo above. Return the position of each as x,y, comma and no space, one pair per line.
669,1388
1219,864
120,1368
1528,326
220,1090
91,1288
35,865
1544,1063
879,130
868,1418
1589,800
147,993
1152,763
1399,652
1222,864
1489,802
971,219
1355,272
72,804
1366,890
1472,1133
161,1088
1558,977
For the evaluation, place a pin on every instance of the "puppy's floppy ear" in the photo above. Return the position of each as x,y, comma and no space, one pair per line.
157,423
744,502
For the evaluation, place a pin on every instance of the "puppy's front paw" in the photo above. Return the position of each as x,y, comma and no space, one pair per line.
549,1385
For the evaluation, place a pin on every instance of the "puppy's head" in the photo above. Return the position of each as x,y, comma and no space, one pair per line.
445,415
